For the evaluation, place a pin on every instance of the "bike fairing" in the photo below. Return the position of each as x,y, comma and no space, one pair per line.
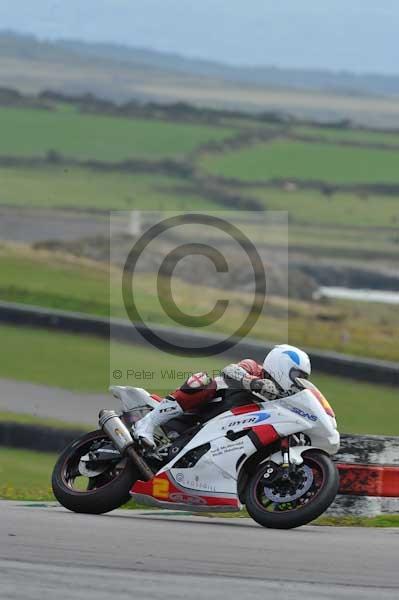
216,469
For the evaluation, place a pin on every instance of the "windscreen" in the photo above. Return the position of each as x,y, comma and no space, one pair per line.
306,384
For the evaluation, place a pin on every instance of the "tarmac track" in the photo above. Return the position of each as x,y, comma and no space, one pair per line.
53,403
48,552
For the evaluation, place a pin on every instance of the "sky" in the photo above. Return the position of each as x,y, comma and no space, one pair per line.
352,35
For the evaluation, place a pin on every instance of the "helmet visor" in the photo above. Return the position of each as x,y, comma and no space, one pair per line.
298,374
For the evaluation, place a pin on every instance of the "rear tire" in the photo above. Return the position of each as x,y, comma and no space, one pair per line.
110,495
303,514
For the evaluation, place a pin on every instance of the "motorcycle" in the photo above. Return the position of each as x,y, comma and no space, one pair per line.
271,457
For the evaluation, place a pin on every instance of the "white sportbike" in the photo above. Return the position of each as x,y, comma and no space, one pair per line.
271,457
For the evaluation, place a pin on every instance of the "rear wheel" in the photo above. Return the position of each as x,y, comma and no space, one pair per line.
96,494
279,499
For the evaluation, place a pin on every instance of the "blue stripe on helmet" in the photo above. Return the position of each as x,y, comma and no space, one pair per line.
294,356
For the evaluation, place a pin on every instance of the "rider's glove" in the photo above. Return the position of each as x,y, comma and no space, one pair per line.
234,372
233,375
264,387
236,376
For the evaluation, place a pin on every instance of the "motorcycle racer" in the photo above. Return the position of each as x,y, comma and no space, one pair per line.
273,379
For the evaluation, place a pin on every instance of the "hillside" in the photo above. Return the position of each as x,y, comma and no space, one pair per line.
342,82
121,73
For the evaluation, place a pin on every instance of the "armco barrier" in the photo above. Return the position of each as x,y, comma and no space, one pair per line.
36,437
375,371
368,466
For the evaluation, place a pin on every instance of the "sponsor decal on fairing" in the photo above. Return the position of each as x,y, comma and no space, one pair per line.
226,448
302,413
248,420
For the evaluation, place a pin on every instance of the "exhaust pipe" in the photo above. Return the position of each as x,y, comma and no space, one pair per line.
119,434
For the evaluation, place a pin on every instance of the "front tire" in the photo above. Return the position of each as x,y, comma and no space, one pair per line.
104,493
280,514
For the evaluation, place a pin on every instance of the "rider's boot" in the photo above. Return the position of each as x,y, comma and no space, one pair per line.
167,409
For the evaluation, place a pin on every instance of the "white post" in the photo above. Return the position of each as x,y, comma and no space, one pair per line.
134,224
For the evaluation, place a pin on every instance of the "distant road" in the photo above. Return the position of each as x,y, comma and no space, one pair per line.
30,225
55,403
48,552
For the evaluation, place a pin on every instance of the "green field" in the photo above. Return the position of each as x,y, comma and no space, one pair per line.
310,207
348,135
61,186
32,132
81,363
305,161
76,187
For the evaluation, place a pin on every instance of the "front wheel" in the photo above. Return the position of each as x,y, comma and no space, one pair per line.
282,499
105,488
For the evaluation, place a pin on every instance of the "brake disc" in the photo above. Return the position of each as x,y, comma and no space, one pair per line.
276,495
86,471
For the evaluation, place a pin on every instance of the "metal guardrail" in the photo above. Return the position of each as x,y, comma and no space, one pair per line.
36,437
333,363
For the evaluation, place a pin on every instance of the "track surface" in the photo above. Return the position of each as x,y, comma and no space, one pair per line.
47,552
53,403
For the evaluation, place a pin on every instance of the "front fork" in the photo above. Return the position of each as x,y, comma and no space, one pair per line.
290,454
286,466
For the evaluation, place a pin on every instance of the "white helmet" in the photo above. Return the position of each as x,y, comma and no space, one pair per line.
284,363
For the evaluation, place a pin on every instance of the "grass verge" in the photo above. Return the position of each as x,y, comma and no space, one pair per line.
325,521
26,475
351,521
